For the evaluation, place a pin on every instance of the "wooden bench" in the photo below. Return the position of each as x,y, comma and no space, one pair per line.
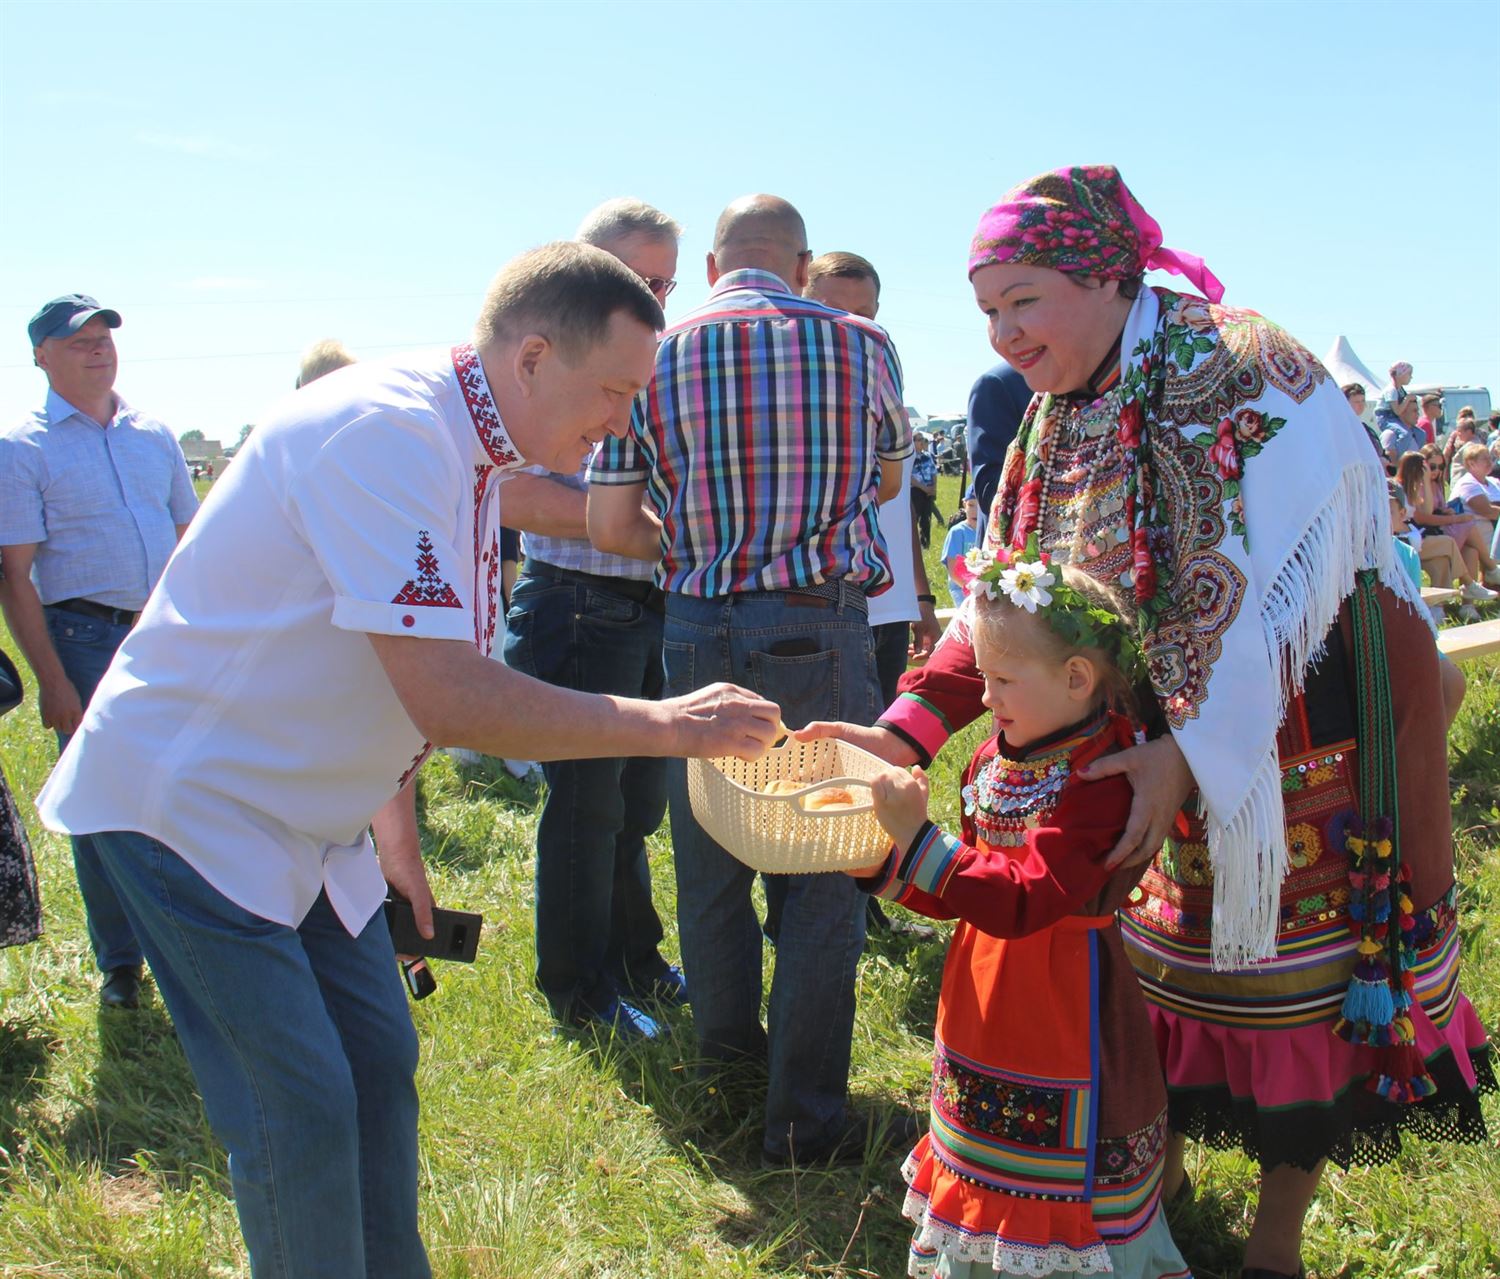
1474,640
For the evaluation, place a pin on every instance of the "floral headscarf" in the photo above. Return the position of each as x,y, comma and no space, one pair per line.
1081,218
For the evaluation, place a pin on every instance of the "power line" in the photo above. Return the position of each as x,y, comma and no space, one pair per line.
244,301
258,355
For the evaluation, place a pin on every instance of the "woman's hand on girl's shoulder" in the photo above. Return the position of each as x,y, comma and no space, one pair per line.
1161,782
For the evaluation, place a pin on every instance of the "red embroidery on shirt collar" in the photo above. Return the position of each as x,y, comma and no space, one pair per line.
482,411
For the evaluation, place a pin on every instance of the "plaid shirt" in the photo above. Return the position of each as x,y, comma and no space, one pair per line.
924,468
761,439
578,553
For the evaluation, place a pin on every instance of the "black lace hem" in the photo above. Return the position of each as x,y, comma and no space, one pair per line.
1358,1128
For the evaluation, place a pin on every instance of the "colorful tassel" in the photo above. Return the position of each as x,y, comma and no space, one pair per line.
1376,1008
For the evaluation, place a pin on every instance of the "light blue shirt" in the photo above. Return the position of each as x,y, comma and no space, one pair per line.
101,504
1403,439
578,553
961,539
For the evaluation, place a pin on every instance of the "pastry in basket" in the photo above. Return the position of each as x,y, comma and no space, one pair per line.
782,786
830,800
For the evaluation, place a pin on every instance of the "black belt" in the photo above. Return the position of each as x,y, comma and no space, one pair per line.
647,594
119,616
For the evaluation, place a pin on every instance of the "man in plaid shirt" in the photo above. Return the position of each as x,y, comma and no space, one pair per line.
770,432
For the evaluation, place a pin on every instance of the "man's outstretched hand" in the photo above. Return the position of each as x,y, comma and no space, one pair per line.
723,719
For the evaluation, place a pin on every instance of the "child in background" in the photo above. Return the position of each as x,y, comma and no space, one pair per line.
1406,538
1048,1109
961,539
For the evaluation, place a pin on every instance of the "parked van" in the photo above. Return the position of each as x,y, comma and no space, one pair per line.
1455,398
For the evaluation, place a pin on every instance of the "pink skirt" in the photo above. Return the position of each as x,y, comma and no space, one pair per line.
1300,1094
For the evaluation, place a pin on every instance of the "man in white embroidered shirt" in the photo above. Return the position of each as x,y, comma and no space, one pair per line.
328,617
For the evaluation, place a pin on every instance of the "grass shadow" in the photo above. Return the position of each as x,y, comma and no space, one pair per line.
1205,1231
817,1221
145,1100
467,812
25,1055
923,961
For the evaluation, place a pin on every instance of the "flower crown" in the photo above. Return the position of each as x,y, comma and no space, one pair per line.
1025,577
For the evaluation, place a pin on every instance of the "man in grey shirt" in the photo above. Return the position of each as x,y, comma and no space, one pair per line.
93,497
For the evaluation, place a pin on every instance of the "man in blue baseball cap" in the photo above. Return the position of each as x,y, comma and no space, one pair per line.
64,316
93,497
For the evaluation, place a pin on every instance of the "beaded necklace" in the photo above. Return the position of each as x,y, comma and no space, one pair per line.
1008,796
1087,460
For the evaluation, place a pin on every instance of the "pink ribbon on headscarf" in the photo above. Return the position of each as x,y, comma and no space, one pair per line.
1192,267
1075,219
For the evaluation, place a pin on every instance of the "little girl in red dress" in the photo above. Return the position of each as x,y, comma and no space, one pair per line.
1048,1112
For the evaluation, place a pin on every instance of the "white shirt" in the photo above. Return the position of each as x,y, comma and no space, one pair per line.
899,604
246,722
1466,488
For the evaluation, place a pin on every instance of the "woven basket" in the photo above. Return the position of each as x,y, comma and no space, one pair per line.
775,833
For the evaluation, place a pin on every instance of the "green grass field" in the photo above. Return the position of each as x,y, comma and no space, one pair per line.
545,1156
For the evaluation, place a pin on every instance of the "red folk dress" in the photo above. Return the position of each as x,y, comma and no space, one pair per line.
1048,1110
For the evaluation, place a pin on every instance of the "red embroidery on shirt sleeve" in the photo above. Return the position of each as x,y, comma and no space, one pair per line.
417,761
428,587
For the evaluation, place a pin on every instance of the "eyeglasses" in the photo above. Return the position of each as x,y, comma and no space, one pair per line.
660,287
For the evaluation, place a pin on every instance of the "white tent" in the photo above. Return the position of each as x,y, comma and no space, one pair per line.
1347,367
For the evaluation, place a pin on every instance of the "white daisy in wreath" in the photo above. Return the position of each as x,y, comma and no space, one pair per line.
1026,584
977,563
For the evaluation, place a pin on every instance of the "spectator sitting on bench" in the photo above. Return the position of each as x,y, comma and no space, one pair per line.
1438,552
1453,682
1479,491
1432,513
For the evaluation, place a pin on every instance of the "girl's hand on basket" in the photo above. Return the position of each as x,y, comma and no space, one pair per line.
901,804
880,742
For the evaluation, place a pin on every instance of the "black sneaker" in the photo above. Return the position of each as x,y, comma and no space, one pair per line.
121,987
864,1136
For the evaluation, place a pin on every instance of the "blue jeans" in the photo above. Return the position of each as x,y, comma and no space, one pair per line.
306,1057
85,647
816,663
597,930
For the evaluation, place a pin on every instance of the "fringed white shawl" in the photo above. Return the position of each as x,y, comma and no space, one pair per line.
1291,503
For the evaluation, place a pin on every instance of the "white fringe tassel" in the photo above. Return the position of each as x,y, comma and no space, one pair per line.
1248,850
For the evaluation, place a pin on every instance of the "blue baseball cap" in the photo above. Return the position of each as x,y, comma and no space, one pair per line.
66,315
968,493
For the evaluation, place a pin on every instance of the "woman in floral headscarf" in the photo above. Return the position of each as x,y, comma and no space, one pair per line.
1295,939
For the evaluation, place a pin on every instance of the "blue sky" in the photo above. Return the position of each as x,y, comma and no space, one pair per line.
240,180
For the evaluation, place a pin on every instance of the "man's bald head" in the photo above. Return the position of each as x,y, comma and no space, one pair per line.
764,232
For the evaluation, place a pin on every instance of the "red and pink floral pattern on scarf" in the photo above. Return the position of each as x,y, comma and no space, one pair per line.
1082,218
